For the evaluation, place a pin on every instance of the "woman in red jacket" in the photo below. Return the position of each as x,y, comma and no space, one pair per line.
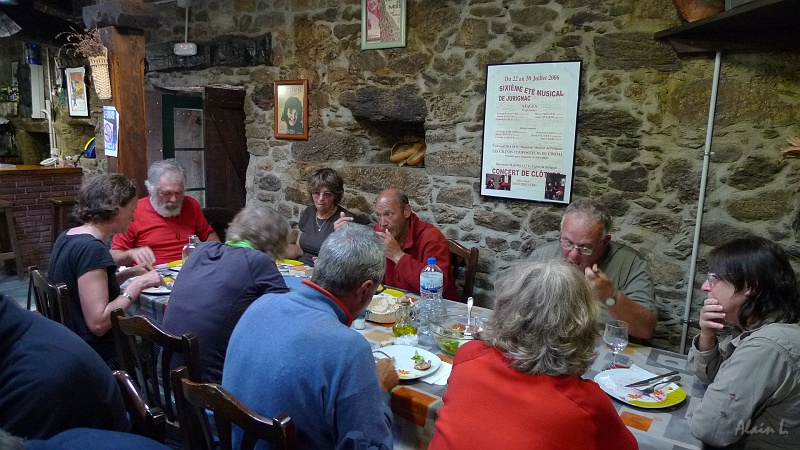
520,386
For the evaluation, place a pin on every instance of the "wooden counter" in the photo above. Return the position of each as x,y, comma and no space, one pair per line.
30,169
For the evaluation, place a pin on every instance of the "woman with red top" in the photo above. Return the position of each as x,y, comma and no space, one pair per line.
520,386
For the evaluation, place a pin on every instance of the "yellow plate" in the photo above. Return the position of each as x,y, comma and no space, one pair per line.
393,292
175,263
289,262
613,382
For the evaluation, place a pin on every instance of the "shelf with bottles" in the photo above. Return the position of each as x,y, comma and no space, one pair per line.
9,94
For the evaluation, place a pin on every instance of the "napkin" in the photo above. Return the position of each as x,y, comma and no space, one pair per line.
439,377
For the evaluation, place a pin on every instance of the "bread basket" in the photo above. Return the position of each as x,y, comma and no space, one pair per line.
382,309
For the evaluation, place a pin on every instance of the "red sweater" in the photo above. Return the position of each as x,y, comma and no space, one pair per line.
488,404
165,236
423,241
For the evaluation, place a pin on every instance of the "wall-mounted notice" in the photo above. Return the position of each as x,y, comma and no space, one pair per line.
529,130
110,130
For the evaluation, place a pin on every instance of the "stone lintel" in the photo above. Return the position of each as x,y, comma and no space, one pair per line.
121,14
237,51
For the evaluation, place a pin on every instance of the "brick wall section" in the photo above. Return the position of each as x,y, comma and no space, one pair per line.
29,188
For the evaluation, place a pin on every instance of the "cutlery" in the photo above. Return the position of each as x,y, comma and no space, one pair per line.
649,390
468,328
651,380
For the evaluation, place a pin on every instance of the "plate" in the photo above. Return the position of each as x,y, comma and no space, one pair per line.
160,290
405,365
613,382
288,262
174,264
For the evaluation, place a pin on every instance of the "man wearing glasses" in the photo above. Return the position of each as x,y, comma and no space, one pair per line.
618,274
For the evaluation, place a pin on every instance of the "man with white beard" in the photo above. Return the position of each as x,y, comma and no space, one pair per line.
162,222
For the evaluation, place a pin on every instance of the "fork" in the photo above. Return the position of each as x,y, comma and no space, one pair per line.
649,390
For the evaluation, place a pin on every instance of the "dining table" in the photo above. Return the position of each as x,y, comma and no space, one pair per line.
415,402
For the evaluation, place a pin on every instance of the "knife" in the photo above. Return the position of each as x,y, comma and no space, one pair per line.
652,379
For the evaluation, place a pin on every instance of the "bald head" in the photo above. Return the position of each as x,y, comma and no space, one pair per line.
393,213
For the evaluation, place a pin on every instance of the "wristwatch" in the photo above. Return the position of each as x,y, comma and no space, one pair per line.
611,301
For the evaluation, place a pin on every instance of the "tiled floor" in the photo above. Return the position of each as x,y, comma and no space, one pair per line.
12,286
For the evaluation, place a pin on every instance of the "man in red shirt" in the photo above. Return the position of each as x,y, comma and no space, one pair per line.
163,221
409,243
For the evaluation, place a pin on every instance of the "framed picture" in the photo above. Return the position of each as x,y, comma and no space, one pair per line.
529,130
77,97
383,24
291,109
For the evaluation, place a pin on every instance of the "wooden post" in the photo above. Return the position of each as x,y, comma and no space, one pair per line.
126,51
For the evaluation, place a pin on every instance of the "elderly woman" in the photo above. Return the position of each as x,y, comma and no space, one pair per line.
81,259
753,397
520,386
219,281
320,220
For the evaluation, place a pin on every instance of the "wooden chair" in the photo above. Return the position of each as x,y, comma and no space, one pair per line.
466,260
219,219
145,351
193,399
146,421
51,300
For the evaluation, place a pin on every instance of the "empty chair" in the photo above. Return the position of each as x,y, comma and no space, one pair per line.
51,300
145,350
146,421
466,260
219,219
193,399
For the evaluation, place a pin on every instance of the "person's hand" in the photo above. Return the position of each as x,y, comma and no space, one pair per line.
341,221
142,255
387,376
599,282
149,279
393,250
712,319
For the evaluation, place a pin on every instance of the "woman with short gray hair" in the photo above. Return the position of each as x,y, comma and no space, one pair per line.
524,374
219,281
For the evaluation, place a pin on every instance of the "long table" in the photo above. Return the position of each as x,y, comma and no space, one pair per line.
415,403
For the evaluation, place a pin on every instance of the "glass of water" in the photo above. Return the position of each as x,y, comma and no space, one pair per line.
616,338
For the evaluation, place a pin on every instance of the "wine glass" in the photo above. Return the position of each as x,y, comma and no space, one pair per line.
616,338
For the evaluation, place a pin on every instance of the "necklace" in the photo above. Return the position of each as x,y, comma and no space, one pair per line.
319,227
177,226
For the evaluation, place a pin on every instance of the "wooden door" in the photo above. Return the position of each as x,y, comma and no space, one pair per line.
226,155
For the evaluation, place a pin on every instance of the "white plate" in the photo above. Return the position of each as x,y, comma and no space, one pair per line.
405,365
613,382
175,268
160,290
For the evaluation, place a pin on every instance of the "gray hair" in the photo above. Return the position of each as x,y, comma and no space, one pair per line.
101,197
349,257
545,319
263,227
592,208
163,167
327,178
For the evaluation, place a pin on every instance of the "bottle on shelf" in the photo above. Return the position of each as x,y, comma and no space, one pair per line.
189,247
431,283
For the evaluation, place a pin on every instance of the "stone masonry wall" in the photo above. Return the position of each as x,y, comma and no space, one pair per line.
641,131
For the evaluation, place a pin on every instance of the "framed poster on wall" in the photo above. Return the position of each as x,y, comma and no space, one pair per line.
291,109
77,98
529,130
383,24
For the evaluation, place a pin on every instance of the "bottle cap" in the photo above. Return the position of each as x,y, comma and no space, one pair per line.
431,260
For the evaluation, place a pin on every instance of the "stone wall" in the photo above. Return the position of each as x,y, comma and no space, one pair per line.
642,123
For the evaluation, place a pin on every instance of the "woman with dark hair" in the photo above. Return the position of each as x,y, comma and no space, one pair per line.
292,117
520,385
753,376
221,280
317,222
81,259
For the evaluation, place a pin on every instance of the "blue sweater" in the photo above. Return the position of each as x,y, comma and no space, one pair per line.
294,353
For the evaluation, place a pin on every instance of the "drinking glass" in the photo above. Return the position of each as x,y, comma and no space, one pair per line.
616,338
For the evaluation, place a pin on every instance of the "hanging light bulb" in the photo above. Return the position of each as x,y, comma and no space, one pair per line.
185,48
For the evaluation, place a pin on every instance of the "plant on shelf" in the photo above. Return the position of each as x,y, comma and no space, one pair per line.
88,44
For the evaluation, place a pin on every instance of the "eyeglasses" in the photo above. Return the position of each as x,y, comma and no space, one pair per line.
322,194
568,245
712,279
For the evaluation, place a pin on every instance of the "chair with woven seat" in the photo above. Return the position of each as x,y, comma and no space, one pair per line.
193,399
463,259
51,300
146,421
219,219
145,351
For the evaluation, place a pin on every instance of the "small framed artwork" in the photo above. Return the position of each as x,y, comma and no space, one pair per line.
291,109
383,24
77,98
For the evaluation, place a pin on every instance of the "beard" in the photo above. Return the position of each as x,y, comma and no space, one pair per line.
166,209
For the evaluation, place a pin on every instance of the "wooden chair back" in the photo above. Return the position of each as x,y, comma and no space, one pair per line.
145,351
219,218
193,399
51,300
146,421
463,259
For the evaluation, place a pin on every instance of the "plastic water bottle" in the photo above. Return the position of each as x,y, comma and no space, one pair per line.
431,283
189,248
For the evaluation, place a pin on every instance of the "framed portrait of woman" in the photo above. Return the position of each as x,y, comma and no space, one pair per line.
77,97
291,109
383,24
